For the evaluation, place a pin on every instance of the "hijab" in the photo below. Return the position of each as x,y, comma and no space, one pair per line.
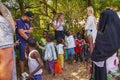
108,36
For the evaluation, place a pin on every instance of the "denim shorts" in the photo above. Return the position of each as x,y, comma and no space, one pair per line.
69,53
21,48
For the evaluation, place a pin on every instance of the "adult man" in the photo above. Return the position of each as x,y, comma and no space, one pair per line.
6,43
23,31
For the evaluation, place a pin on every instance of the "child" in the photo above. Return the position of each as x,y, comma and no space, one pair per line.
50,53
43,41
70,45
60,51
34,61
78,49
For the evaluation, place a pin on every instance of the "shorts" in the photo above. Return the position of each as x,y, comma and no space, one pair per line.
37,77
69,53
21,48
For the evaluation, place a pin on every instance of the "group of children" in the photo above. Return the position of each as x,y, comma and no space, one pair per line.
72,48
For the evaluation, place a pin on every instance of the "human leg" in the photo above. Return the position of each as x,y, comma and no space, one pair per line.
90,40
6,63
51,66
76,57
80,57
61,59
22,56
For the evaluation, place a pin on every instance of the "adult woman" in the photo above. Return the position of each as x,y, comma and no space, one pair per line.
90,27
104,55
59,26
6,43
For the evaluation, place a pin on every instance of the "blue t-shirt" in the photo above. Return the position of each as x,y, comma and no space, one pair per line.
21,24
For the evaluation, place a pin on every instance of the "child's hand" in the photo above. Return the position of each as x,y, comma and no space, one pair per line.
30,76
37,44
17,43
55,60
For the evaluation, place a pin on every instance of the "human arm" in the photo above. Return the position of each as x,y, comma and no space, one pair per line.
37,57
29,31
22,34
56,26
16,43
20,29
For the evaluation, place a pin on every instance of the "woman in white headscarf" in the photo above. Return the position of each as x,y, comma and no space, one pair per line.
6,43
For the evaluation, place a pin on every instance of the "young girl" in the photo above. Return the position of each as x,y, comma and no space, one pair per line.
60,51
50,53
34,61
78,49
70,45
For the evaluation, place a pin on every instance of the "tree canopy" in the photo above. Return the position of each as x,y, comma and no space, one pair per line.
46,10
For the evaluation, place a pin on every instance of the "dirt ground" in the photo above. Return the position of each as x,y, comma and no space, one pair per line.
75,71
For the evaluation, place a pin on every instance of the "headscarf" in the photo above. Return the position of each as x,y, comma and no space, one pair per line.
7,15
108,36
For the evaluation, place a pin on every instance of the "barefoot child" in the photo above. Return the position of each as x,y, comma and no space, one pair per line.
35,63
70,45
50,53
60,51
78,49
43,42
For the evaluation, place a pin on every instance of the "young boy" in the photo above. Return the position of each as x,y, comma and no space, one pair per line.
70,45
34,61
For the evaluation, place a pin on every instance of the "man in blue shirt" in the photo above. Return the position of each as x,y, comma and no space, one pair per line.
23,31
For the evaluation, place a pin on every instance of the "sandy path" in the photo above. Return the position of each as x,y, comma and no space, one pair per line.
75,71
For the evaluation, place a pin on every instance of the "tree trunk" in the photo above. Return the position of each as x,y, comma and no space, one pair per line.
89,2
56,5
22,8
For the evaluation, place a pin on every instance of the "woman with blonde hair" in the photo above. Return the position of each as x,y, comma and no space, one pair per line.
59,26
91,28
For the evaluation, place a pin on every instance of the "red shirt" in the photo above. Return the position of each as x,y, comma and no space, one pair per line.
78,48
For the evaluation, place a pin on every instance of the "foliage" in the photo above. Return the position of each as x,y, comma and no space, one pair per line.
46,10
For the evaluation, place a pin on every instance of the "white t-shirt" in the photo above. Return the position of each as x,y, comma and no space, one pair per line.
70,42
60,49
90,26
56,23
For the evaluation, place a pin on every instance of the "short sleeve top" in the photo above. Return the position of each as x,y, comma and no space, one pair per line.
21,24
60,48
56,23
6,34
